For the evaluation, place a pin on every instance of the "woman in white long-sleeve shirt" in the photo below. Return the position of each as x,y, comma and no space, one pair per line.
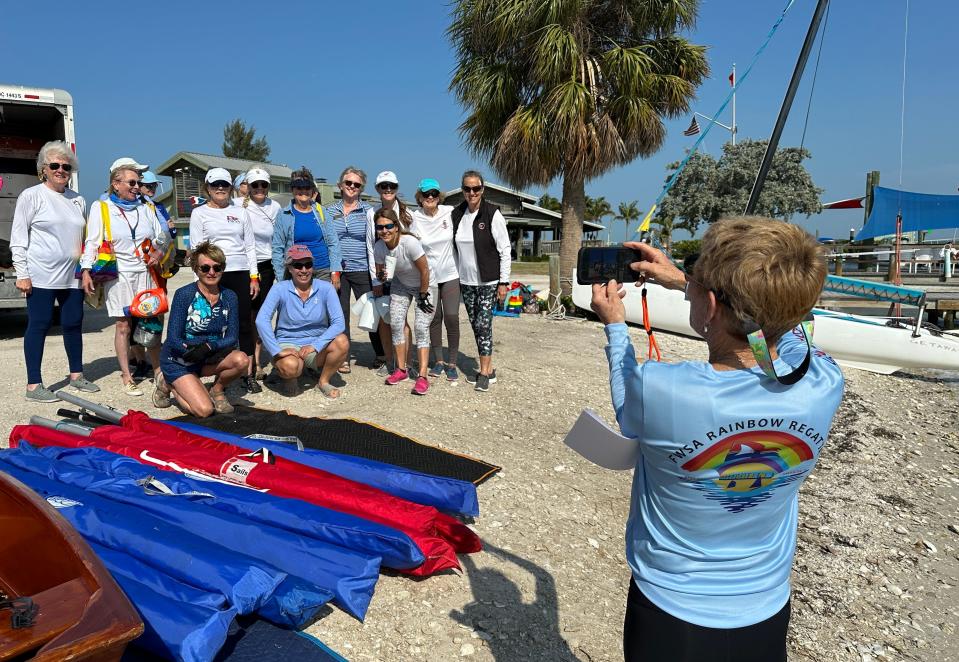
135,230
227,226
46,241
483,251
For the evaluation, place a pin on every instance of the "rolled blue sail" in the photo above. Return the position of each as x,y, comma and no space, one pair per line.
347,531
180,622
248,584
446,494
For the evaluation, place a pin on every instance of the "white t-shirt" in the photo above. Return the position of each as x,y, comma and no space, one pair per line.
371,237
263,220
229,229
47,236
436,235
466,250
128,229
405,254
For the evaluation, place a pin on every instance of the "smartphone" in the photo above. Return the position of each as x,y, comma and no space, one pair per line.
600,264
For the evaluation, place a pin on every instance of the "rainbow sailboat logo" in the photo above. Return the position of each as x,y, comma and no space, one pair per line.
743,470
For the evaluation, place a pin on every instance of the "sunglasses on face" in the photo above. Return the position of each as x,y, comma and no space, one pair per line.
216,185
347,183
386,186
472,189
259,185
149,186
386,227
56,166
207,268
301,265
301,183
433,193
132,183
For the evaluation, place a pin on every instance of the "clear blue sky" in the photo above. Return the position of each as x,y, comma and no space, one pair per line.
365,83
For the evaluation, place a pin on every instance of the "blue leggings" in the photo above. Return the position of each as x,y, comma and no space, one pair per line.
40,319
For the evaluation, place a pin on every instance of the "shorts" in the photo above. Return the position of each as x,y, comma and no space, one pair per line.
118,294
173,369
310,360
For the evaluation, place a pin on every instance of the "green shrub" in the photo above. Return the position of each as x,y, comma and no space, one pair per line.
686,247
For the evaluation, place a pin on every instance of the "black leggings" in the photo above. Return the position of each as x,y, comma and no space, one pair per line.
239,282
447,313
359,283
652,635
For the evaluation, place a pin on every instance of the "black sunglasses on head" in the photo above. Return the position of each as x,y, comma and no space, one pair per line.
207,268
301,265
56,166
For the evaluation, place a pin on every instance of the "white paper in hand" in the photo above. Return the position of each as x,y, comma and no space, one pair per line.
594,440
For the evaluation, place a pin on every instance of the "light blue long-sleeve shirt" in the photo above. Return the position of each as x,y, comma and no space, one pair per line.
712,525
316,321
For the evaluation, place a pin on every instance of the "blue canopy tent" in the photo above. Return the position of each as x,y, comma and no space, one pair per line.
920,211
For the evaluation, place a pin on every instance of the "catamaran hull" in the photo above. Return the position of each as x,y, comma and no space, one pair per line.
854,341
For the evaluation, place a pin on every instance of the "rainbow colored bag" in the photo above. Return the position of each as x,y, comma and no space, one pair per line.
104,269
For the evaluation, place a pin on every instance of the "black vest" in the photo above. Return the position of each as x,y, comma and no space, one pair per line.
487,257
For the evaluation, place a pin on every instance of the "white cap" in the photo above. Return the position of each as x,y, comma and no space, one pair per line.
127,162
387,176
257,175
218,175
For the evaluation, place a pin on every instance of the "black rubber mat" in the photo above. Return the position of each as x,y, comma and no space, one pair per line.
351,437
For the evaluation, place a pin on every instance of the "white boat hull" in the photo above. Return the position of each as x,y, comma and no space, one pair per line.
853,340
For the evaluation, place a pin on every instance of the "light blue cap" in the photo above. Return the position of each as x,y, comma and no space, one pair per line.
149,178
239,180
429,185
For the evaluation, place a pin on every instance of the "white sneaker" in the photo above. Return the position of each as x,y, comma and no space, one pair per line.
131,388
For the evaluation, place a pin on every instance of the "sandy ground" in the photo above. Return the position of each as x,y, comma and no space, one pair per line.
875,577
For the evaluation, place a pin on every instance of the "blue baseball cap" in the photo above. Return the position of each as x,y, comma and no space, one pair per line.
429,185
239,180
149,178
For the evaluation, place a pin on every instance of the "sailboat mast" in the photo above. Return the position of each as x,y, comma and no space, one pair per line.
787,104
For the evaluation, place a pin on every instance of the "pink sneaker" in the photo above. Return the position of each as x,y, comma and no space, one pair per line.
421,386
397,377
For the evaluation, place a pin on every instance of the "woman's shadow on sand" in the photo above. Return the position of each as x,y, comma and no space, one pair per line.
514,629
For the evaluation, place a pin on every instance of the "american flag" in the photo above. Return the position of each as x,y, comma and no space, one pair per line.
693,128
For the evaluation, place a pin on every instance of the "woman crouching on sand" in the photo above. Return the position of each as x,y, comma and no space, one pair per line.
712,527
202,335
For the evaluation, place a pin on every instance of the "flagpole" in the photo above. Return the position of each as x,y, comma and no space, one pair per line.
734,104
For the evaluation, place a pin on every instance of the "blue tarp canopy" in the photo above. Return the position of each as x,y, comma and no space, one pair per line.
920,211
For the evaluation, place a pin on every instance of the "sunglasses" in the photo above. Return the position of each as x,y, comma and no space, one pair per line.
56,166
301,183
433,193
259,185
221,184
301,265
207,268
385,227
387,186
132,183
347,183
149,186
472,189
689,263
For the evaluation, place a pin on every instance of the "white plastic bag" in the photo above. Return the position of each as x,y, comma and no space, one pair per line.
366,313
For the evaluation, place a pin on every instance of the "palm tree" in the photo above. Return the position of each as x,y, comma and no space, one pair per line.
596,209
546,201
666,226
628,212
571,89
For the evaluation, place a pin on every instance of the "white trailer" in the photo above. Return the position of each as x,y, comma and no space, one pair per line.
29,118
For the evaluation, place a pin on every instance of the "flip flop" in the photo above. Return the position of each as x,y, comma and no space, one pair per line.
345,369
327,390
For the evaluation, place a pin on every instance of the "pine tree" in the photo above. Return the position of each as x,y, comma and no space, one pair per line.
241,143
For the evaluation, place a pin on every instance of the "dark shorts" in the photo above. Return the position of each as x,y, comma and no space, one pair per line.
172,370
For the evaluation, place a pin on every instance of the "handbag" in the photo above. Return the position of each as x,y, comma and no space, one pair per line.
104,268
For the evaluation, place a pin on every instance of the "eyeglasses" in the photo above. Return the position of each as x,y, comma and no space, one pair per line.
433,193
385,227
472,189
132,183
689,262
387,186
259,185
56,166
207,268
301,265
221,184
347,183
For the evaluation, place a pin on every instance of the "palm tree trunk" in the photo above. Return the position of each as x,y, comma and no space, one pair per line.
573,210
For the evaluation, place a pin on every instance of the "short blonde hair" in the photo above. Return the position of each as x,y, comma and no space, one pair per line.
208,250
115,175
763,270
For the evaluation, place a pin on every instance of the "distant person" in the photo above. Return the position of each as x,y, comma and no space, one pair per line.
349,218
228,227
388,186
433,224
241,188
46,241
483,252
304,222
309,332
410,281
263,213
724,444
202,335
139,239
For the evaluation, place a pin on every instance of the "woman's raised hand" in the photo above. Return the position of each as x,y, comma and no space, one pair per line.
656,266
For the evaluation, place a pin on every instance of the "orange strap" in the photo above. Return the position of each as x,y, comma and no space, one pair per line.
653,346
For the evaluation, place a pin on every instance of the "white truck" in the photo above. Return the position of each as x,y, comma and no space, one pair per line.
29,117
